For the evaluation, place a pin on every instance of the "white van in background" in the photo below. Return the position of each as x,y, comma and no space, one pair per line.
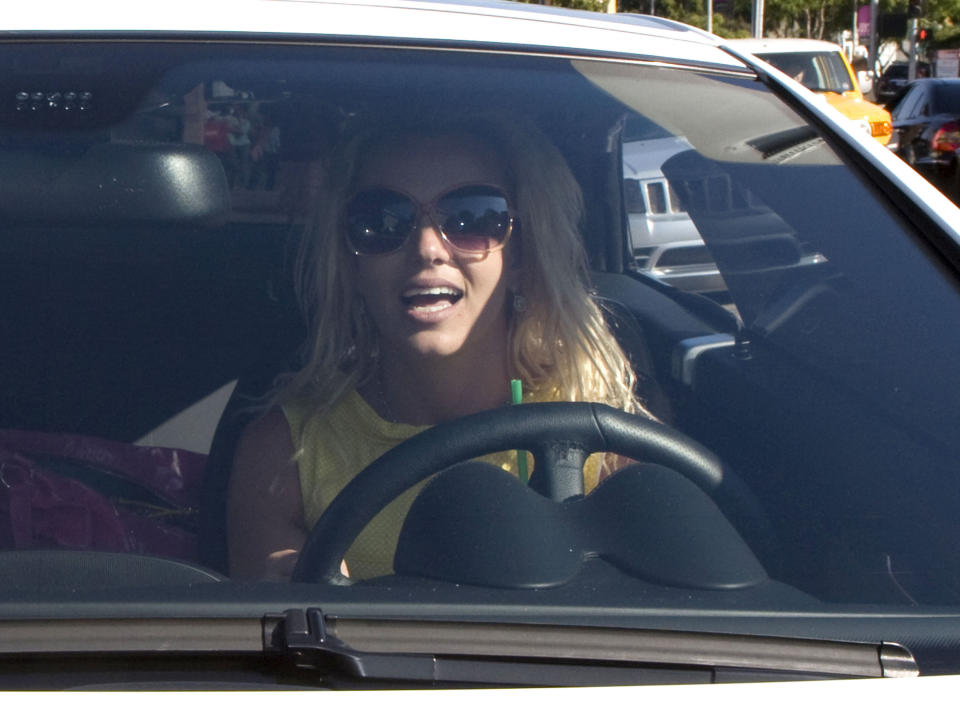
665,242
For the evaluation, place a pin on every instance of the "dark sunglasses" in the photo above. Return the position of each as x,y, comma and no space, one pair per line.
471,219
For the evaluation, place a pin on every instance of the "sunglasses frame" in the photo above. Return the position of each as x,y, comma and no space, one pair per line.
428,210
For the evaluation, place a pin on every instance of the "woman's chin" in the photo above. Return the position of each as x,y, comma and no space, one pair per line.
433,345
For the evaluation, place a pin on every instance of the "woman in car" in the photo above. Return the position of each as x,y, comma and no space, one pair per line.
444,261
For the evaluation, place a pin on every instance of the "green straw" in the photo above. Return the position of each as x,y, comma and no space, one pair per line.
516,395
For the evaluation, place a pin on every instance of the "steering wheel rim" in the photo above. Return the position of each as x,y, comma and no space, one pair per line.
559,434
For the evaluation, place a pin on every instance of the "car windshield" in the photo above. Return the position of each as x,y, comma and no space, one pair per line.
821,71
206,240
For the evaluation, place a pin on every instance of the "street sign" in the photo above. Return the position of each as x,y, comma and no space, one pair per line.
948,63
863,21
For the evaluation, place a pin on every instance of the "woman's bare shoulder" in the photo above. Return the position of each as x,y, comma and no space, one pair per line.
265,508
265,452
268,433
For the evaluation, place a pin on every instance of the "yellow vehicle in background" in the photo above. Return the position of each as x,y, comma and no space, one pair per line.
822,67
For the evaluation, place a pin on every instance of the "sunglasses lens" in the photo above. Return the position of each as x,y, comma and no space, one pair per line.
379,221
474,219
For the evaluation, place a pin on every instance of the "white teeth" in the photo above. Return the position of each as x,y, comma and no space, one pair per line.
431,291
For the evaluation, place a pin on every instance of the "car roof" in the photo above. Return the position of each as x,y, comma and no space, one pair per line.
782,45
486,22
904,66
928,81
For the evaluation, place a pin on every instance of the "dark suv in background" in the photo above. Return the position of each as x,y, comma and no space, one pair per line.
894,80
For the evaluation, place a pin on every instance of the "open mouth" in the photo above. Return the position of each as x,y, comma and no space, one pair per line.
431,299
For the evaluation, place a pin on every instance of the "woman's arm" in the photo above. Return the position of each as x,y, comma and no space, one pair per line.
265,525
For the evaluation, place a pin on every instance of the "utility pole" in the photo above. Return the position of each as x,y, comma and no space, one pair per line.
912,69
757,18
709,16
914,10
855,32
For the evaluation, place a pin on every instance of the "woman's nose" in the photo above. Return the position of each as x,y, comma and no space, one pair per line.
429,244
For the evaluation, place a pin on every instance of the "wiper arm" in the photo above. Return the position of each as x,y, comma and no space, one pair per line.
426,650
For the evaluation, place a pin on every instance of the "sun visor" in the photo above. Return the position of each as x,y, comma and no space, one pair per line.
114,183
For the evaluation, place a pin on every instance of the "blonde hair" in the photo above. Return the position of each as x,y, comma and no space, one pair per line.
560,344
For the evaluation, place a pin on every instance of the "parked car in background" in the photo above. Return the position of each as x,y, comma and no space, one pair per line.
822,67
926,120
666,244
792,511
895,78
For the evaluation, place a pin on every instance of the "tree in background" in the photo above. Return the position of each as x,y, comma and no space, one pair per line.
819,19
595,5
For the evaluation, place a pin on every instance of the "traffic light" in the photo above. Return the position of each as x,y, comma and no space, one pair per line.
924,35
915,9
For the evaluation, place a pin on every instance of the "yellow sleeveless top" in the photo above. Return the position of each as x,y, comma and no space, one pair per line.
333,448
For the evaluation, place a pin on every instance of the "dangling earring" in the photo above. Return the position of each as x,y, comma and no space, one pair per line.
519,302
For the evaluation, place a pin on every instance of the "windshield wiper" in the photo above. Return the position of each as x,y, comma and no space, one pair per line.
453,651
303,647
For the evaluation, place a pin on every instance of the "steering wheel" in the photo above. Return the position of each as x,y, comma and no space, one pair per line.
559,434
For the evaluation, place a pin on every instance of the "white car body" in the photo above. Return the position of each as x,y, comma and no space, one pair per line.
501,28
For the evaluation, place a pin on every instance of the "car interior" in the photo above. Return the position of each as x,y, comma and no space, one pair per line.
150,305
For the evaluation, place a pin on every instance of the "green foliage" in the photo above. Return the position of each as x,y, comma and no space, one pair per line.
595,5
823,19
947,37
943,13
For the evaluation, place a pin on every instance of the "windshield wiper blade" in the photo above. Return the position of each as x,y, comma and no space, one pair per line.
304,646
427,650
